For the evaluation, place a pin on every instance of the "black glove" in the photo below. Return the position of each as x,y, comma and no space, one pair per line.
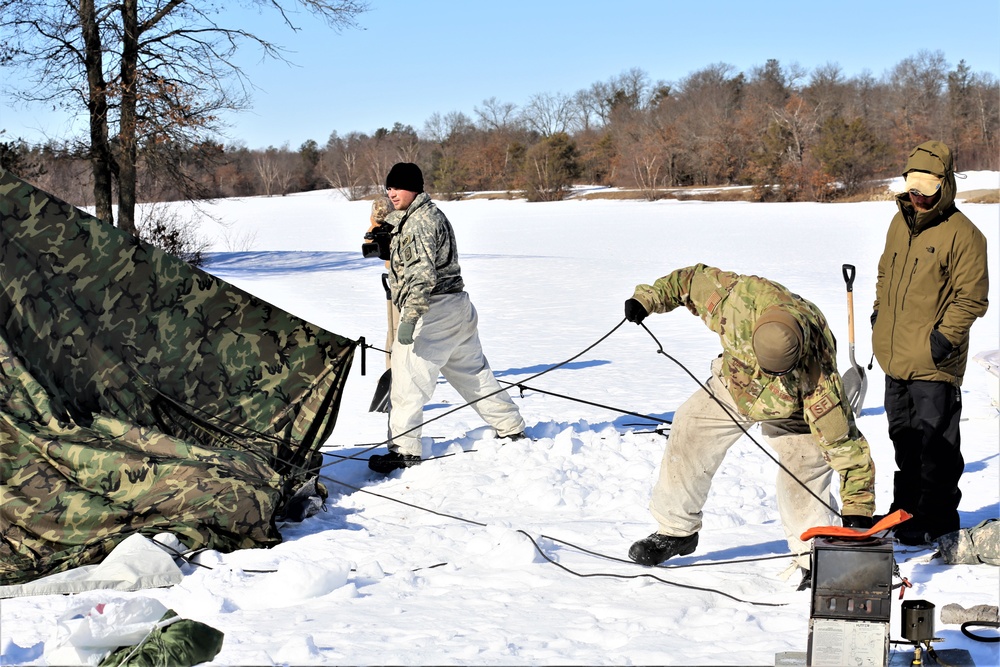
874,317
634,311
941,347
857,521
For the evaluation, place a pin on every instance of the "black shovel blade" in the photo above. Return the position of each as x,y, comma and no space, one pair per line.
380,401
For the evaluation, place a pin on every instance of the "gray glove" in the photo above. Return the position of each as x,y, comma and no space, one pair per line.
405,333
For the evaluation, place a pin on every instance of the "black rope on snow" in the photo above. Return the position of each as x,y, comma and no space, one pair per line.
647,575
188,555
660,350
493,393
521,386
567,569
735,421
588,551
373,445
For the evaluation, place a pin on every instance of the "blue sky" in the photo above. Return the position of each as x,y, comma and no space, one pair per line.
412,58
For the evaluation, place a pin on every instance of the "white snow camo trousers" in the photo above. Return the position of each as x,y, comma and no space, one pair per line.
701,434
446,342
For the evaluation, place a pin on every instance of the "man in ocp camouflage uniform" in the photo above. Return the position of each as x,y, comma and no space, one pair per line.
778,368
438,325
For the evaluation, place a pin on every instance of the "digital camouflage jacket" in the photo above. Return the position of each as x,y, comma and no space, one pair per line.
729,304
423,258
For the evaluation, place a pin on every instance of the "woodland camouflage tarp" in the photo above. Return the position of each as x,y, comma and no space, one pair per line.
139,394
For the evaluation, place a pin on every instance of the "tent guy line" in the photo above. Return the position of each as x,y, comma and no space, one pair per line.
659,350
544,555
759,446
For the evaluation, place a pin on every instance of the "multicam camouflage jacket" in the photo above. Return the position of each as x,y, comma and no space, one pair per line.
423,258
730,304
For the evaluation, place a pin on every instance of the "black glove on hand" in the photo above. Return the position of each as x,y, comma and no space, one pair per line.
941,347
857,521
634,311
874,317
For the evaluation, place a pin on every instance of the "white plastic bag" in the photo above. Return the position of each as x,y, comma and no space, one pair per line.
85,634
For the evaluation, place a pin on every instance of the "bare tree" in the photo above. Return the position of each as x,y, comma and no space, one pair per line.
267,167
630,90
497,116
972,115
407,145
166,227
386,147
449,134
493,152
828,90
378,155
287,167
548,114
341,165
145,70
707,103
594,104
918,85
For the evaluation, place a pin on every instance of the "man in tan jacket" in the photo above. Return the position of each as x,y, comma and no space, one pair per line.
932,285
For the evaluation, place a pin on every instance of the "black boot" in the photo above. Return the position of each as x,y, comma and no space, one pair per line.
913,537
386,463
657,548
912,533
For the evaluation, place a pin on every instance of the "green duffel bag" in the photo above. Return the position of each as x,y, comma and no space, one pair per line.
172,643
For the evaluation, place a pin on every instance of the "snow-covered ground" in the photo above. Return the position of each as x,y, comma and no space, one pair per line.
436,564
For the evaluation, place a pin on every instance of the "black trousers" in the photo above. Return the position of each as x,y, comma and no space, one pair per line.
923,426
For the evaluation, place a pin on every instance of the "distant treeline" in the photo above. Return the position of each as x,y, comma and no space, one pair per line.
793,135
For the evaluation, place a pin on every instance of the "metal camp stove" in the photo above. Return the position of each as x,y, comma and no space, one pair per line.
849,616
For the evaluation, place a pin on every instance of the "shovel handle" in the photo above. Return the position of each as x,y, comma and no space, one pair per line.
849,279
849,276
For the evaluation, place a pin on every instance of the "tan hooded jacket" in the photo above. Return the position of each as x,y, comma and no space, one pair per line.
932,275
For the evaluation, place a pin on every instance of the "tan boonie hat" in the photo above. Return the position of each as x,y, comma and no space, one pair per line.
777,340
923,182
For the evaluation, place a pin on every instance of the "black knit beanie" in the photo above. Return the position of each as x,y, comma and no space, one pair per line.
405,176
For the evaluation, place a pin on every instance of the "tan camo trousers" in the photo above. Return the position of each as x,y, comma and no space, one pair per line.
700,435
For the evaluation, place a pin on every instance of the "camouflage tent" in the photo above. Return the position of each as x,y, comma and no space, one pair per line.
139,394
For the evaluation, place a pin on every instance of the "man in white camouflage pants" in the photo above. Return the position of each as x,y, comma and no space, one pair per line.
438,325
